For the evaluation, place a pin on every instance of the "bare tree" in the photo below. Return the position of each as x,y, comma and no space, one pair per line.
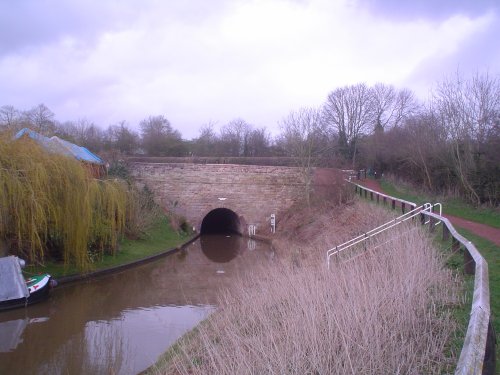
349,111
160,139
234,137
84,133
468,110
391,107
206,143
120,137
41,118
258,142
9,118
425,156
301,136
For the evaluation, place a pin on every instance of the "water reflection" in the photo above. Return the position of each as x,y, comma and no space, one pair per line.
12,331
221,249
121,323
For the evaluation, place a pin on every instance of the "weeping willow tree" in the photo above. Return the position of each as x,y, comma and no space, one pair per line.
51,206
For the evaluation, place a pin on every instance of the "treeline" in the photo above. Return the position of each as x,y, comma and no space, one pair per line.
156,136
448,144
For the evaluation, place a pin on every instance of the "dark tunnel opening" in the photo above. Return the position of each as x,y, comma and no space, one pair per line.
220,221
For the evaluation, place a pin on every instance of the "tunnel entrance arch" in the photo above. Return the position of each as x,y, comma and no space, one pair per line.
221,221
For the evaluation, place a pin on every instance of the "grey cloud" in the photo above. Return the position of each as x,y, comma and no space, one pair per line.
430,9
476,55
29,23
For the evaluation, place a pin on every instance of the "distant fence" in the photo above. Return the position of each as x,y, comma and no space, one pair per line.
478,351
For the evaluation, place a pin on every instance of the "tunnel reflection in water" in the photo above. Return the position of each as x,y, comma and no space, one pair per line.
221,249
220,221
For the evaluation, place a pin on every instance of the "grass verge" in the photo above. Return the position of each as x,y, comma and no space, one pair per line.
159,238
451,206
460,311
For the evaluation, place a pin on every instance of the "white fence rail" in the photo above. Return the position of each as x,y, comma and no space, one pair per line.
378,230
478,351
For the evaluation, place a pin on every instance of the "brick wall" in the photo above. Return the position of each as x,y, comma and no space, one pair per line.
193,190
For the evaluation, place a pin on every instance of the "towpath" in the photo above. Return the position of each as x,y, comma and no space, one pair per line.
490,233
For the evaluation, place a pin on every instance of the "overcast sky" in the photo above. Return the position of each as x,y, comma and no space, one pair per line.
200,61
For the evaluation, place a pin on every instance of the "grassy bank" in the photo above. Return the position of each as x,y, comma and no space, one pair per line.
451,206
159,237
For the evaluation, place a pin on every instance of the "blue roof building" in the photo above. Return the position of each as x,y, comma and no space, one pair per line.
60,146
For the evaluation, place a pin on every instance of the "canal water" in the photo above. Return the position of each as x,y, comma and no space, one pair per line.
121,323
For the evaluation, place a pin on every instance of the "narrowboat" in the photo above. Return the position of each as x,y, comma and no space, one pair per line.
19,291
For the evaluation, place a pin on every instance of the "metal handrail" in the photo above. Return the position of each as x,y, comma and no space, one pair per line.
382,228
472,356
385,195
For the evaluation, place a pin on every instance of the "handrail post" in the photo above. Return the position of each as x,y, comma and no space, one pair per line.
403,206
469,264
455,245
393,204
489,363
446,233
431,224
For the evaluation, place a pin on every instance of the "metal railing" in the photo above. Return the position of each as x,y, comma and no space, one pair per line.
378,230
478,351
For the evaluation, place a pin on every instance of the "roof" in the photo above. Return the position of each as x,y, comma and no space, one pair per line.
60,146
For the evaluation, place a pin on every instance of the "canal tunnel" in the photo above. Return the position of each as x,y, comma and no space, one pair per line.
220,221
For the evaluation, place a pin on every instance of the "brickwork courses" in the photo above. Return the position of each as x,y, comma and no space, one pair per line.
193,190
